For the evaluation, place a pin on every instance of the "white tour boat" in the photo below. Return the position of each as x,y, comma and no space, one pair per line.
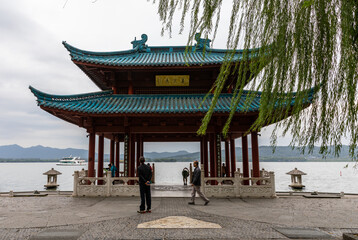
71,161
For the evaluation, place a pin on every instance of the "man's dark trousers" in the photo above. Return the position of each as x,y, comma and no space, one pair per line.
145,197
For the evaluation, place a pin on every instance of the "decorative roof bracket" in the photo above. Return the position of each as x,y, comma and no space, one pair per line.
140,44
202,43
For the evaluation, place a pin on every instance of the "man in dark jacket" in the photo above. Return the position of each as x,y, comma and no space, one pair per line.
145,175
196,185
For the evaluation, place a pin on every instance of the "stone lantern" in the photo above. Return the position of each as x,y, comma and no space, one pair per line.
296,178
52,178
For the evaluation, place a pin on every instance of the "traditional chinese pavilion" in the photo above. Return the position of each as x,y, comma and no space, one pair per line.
156,94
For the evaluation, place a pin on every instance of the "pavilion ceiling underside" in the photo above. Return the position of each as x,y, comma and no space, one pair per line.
159,127
186,137
96,76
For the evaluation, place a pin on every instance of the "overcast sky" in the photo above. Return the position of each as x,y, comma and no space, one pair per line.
31,35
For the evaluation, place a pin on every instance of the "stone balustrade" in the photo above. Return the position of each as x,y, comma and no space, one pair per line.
104,186
238,186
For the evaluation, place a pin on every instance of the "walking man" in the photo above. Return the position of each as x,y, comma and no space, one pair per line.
145,175
196,185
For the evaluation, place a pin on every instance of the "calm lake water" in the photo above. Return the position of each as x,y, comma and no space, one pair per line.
321,176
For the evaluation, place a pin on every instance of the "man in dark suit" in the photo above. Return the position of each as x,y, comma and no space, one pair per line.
196,185
145,175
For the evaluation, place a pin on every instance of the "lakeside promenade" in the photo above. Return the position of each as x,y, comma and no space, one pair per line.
59,214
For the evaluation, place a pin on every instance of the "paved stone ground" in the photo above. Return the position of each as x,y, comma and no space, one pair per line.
125,226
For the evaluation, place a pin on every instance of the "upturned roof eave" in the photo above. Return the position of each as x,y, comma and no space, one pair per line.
72,49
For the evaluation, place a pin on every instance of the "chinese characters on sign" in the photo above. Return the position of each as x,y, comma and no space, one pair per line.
126,138
218,152
172,80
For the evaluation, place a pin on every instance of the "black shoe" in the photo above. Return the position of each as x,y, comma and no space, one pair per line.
139,211
206,203
149,211
191,203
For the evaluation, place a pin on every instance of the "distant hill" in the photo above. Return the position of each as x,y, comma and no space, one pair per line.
281,154
156,155
39,152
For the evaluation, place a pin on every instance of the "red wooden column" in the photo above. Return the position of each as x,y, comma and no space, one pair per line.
91,154
100,157
227,158
111,152
112,78
233,157
117,158
205,156
201,151
141,147
245,159
130,86
255,155
138,153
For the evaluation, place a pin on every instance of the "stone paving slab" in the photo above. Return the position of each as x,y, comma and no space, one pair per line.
58,234
303,233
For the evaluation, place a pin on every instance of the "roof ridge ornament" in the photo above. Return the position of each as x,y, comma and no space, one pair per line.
140,44
202,43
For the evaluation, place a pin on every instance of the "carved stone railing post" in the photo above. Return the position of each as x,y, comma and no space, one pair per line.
237,183
272,182
109,184
75,183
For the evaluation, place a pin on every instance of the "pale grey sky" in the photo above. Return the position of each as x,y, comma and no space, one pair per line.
31,33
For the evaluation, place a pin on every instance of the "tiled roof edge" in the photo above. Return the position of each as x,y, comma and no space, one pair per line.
78,51
51,97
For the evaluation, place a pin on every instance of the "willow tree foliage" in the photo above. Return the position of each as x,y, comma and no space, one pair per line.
295,45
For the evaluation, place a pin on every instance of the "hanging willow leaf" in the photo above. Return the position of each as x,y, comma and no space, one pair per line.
312,43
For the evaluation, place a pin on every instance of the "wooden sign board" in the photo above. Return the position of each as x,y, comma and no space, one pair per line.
171,80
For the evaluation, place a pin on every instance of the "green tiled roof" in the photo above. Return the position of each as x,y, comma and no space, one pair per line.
143,55
107,103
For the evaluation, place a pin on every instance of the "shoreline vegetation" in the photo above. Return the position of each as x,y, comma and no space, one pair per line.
262,159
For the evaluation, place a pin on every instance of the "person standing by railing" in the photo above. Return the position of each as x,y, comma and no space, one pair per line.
185,174
196,185
113,170
145,175
223,170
